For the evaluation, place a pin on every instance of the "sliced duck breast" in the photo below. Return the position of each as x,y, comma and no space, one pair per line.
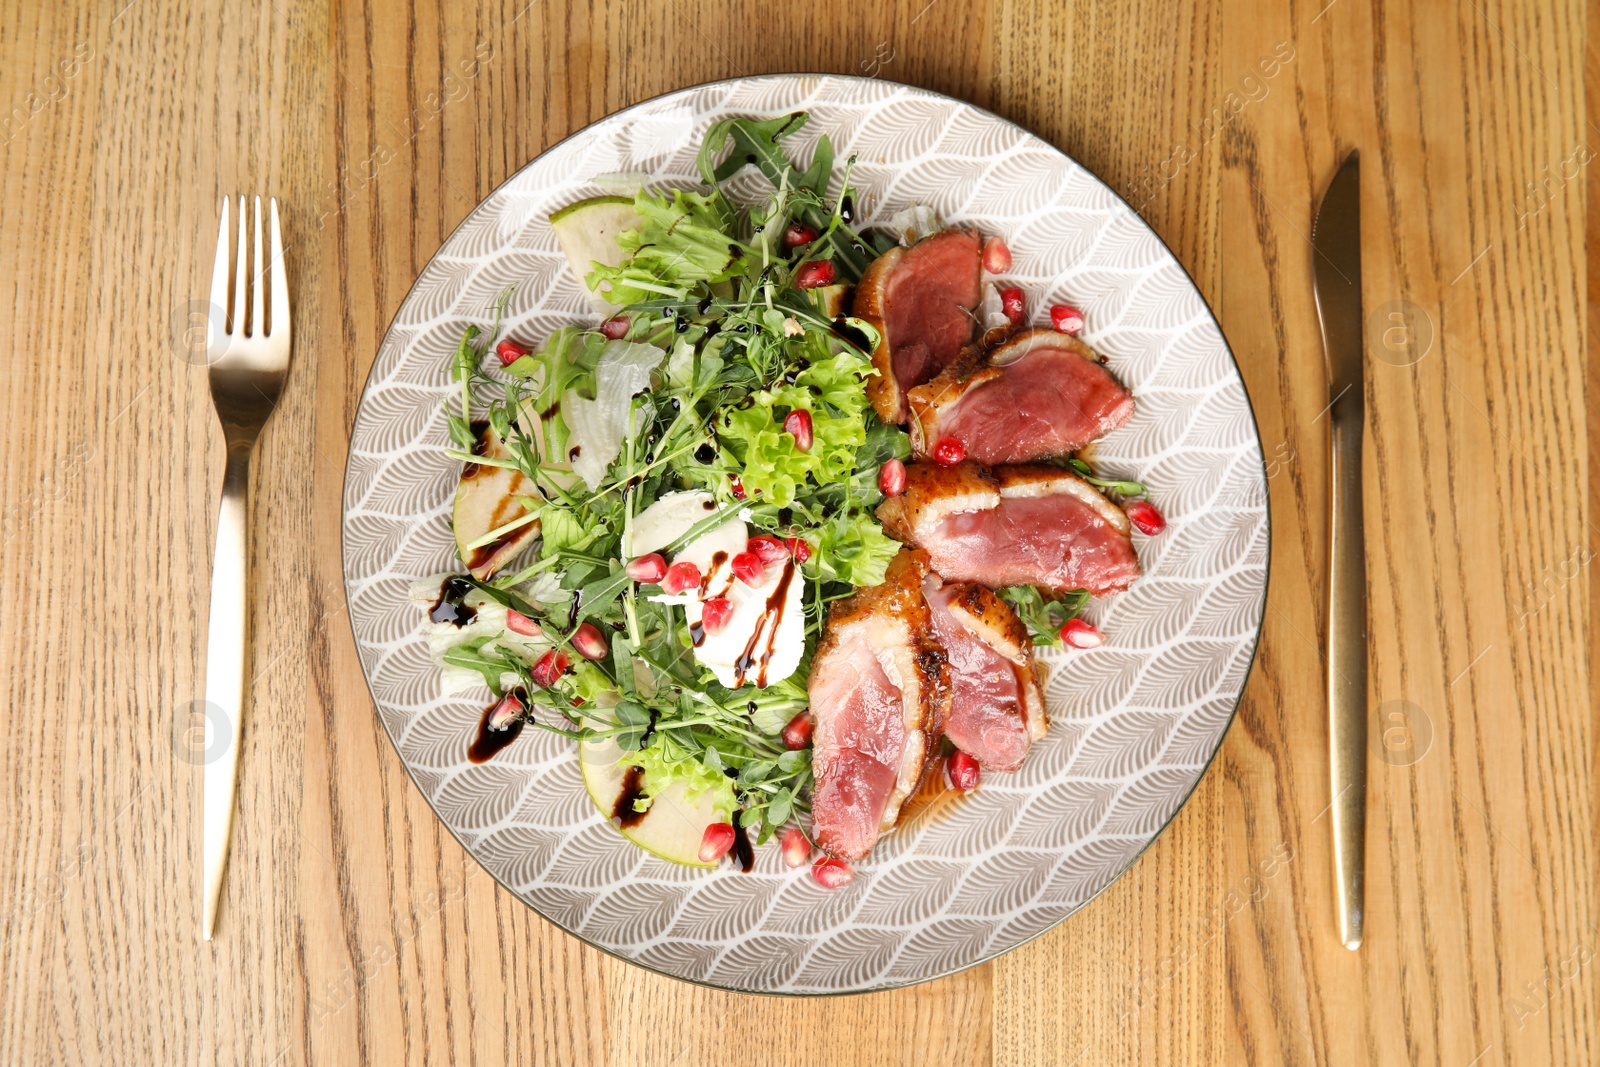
879,691
1039,394
996,702
1022,525
920,300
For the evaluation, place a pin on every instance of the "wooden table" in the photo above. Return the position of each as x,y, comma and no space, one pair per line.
355,930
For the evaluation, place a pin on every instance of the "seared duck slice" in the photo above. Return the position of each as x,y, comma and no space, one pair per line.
1039,394
1024,525
879,691
920,300
997,704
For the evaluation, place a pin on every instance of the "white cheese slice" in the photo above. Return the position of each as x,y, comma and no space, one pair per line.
766,637
674,515
767,632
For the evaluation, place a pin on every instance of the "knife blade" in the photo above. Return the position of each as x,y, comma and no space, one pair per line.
1336,267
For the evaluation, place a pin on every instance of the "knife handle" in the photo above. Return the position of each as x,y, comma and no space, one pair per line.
1347,668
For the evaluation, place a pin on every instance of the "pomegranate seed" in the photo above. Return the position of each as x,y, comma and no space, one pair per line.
816,274
503,714
767,549
1013,304
717,842
1079,634
831,873
551,666
616,329
681,577
799,548
748,568
509,352
736,485
1144,515
798,234
798,424
518,623
589,641
963,772
715,614
892,478
996,256
1066,318
797,732
796,849
651,568
949,452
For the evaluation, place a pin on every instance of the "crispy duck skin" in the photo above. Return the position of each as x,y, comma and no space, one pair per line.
880,690
1037,394
1021,525
920,300
997,702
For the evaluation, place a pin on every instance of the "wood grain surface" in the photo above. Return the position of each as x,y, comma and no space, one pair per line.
355,930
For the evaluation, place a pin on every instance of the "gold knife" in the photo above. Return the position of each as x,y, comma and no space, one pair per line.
1336,265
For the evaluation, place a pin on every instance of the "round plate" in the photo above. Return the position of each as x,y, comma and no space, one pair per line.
1135,723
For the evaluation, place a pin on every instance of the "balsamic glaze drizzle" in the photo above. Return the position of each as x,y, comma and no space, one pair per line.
632,790
449,606
490,739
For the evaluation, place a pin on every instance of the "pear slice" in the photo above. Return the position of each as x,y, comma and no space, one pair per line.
833,300
673,827
486,500
588,232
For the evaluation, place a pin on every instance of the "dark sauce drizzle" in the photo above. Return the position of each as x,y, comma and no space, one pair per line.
771,619
842,327
491,740
744,857
449,608
632,789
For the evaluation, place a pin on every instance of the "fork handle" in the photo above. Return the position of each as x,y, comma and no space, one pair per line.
225,678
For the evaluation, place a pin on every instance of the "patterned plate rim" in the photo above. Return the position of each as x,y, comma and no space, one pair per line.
1266,573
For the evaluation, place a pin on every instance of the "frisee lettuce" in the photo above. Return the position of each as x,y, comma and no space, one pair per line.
685,239
775,469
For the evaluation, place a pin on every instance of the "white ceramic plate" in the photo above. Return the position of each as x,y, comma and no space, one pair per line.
1135,723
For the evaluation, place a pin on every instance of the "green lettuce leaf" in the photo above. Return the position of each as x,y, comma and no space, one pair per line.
685,238
831,390
853,548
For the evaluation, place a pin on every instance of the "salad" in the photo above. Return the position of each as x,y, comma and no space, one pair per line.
657,512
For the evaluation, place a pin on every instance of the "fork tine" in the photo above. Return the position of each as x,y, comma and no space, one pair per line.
241,309
258,301
280,282
217,313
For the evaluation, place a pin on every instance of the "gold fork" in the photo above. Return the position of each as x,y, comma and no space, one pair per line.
248,359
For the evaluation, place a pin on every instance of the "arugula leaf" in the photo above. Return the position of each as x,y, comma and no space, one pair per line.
755,143
469,654
1114,484
1044,613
